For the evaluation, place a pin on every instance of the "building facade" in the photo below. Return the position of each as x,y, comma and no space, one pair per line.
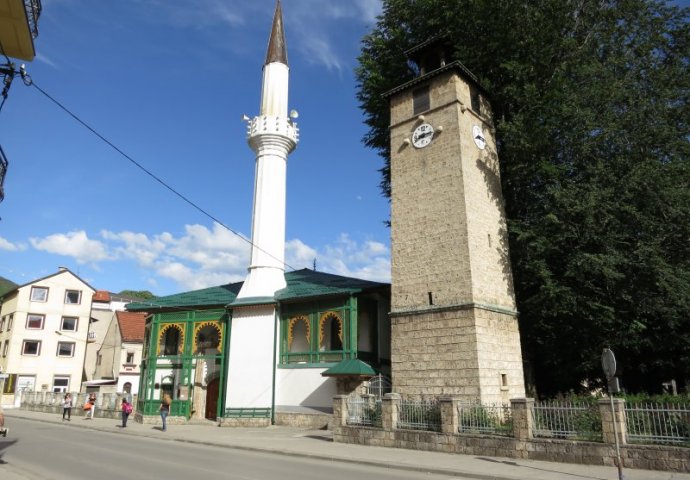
44,326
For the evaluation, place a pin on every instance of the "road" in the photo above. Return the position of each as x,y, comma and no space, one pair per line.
37,451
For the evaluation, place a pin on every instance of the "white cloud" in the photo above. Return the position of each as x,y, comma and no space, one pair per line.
11,247
197,14
73,244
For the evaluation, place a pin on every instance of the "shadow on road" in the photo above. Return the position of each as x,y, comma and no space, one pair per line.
4,445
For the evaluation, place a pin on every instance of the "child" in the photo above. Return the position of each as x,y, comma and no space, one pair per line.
67,407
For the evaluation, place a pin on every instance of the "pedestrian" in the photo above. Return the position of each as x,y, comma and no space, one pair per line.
126,410
165,409
90,407
67,407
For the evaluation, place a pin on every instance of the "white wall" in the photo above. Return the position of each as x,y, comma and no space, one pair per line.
305,387
250,376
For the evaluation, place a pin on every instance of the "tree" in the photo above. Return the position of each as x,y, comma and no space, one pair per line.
141,294
590,102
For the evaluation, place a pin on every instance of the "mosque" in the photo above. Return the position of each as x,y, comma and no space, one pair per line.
277,347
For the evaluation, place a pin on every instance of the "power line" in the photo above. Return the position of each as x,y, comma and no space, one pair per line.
29,82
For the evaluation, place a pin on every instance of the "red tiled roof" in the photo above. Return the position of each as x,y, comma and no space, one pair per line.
131,326
101,296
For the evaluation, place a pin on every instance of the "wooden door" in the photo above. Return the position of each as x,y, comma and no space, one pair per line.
212,398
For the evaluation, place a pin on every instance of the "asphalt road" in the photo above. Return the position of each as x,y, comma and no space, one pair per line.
36,451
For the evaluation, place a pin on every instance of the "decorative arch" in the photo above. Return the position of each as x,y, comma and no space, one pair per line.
164,331
291,325
213,324
326,317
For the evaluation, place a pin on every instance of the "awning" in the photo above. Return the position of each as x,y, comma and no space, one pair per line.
352,368
102,381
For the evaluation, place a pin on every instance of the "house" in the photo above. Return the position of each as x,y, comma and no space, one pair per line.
120,353
44,326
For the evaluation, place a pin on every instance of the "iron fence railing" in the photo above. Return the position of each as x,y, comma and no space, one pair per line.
3,171
424,414
364,411
493,419
567,420
658,423
33,11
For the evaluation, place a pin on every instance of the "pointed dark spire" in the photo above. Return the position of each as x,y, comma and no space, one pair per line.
277,50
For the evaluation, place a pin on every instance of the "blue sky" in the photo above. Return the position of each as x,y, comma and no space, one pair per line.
168,81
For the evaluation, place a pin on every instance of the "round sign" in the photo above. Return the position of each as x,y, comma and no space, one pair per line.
608,363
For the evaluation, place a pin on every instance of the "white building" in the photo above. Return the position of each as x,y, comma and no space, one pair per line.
44,326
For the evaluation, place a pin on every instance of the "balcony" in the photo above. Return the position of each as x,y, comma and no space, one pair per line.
3,171
92,337
19,27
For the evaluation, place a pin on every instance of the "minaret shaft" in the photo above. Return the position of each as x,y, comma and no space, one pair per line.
272,136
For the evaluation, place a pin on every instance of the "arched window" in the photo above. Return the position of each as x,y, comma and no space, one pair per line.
127,387
330,332
170,342
207,339
298,334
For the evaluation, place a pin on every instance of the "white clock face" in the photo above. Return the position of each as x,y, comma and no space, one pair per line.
478,136
422,135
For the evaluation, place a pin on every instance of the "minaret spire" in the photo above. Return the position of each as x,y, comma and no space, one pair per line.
272,136
277,49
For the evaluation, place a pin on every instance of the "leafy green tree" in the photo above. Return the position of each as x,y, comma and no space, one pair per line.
590,102
142,294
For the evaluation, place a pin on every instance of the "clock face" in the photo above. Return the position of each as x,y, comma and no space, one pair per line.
422,135
478,136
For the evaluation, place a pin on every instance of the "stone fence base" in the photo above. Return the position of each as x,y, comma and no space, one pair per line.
648,457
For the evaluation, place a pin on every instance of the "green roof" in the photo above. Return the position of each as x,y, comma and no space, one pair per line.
353,366
301,285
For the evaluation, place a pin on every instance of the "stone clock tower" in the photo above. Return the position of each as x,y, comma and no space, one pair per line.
454,319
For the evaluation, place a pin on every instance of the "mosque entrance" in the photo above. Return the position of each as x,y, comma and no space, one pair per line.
212,398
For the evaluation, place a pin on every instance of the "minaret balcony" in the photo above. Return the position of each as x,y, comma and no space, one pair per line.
266,125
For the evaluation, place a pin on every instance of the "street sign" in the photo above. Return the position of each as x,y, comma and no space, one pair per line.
608,363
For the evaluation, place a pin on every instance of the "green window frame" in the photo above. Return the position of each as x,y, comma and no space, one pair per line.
317,337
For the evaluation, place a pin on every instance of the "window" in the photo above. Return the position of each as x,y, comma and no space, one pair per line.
69,324
317,337
420,100
127,387
475,100
5,347
99,359
34,322
60,384
31,347
130,358
73,297
2,323
39,294
9,322
170,340
65,349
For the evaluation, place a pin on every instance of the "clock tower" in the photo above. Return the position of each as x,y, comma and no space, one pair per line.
454,319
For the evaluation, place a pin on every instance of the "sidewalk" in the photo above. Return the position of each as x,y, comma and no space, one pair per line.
318,444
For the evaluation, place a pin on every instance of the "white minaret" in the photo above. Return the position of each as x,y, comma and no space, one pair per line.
272,135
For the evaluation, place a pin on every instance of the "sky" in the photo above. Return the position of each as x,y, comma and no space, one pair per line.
167,82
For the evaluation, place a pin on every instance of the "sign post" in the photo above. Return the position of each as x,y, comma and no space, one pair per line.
608,364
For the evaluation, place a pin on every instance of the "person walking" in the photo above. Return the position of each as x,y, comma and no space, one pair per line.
67,407
90,410
165,410
126,410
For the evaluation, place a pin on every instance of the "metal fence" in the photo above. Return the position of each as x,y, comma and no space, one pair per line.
422,414
379,386
658,423
365,411
493,419
567,420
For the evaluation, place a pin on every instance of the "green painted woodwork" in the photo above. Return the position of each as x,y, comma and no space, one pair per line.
248,412
352,366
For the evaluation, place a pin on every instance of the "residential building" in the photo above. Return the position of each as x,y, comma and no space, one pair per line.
43,334
119,356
